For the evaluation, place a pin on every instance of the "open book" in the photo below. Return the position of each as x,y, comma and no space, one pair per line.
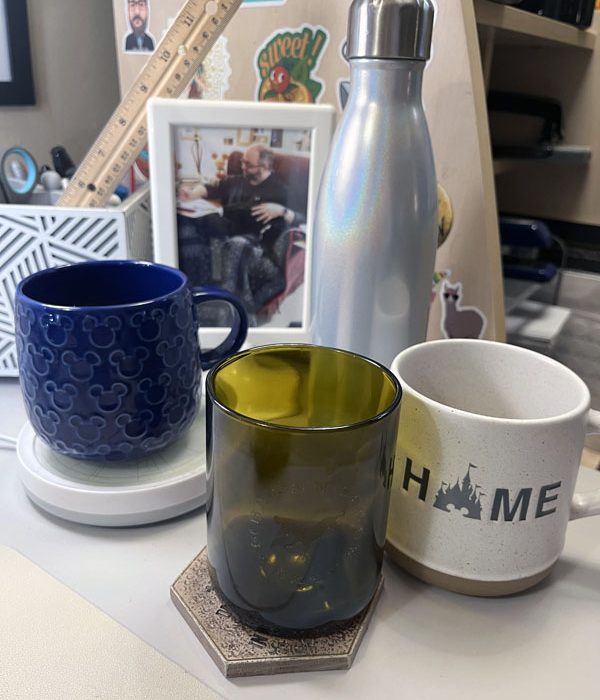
195,208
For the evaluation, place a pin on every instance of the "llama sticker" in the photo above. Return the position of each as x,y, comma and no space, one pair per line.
459,321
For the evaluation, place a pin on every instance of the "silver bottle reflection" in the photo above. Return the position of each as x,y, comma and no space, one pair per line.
375,226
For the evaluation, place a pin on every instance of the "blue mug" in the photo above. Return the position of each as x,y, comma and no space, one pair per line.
109,359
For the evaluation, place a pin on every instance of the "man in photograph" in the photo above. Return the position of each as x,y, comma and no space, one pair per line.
255,213
137,14
251,201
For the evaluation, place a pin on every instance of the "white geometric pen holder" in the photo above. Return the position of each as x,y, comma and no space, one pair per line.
33,238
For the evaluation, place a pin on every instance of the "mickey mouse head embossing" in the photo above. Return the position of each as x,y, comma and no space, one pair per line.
88,430
120,451
191,333
155,392
62,446
26,319
102,332
80,368
171,351
29,384
47,421
73,448
152,443
129,366
148,324
135,426
56,329
20,345
176,412
102,450
41,360
181,314
109,400
61,397
188,375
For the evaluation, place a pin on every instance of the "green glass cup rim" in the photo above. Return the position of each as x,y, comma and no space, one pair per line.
210,390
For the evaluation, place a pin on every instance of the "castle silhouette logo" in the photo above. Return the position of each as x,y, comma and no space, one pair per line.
463,496
503,504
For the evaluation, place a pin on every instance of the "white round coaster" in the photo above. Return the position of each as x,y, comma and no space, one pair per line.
162,485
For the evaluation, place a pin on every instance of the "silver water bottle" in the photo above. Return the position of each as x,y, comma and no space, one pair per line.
375,226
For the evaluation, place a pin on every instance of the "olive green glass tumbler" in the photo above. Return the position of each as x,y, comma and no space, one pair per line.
300,455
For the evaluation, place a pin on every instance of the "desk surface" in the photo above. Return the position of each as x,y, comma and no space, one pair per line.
422,643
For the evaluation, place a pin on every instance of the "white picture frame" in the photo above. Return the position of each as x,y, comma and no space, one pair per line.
171,122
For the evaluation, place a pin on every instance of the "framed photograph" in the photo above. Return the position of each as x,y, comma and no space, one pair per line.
234,186
16,79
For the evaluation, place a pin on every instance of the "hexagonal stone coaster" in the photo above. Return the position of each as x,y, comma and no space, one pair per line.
238,650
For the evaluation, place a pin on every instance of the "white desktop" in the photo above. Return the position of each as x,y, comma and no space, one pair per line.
423,642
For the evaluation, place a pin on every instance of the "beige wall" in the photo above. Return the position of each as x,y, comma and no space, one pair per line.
75,74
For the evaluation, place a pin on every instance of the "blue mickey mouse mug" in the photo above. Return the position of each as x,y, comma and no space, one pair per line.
109,358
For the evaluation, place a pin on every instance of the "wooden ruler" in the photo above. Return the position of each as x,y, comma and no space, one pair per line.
166,74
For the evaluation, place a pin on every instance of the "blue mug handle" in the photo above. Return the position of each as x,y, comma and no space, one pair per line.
239,327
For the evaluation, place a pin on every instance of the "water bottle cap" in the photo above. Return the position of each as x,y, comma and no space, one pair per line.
390,29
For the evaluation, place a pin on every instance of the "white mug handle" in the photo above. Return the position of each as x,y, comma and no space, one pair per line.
585,504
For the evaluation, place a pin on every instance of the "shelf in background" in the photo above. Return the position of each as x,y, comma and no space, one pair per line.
532,321
517,291
563,155
514,26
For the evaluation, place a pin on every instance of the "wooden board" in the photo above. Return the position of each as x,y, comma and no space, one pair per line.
457,117
454,96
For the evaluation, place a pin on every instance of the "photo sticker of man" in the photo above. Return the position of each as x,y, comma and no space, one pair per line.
139,39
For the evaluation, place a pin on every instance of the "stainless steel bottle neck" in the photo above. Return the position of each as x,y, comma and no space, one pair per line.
390,29
393,80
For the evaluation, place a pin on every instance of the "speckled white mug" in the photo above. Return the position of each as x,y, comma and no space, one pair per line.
489,448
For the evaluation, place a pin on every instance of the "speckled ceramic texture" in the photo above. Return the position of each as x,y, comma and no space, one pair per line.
488,452
239,650
113,382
